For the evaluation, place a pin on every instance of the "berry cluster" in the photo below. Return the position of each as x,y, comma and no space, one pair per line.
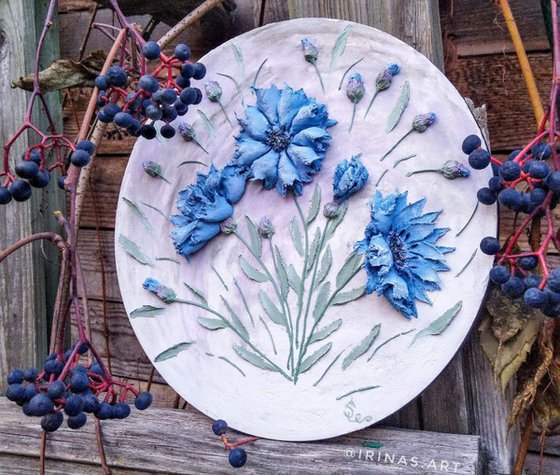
237,455
152,98
525,184
63,386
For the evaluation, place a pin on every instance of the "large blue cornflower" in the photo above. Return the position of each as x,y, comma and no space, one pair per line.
283,139
402,259
204,205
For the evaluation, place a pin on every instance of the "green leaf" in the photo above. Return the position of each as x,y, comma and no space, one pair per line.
399,108
254,358
339,45
345,297
251,272
326,263
147,311
134,251
294,279
322,301
238,59
314,205
362,348
211,323
173,351
296,236
272,311
348,270
313,250
438,326
157,210
197,293
282,272
308,362
336,221
138,212
207,123
237,323
325,331
192,162
256,242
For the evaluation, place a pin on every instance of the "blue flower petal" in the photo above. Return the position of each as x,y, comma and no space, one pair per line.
311,115
406,306
255,124
266,169
204,231
315,137
289,104
287,175
216,211
248,150
267,102
234,183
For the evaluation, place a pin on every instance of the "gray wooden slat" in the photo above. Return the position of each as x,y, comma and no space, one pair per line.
181,442
548,466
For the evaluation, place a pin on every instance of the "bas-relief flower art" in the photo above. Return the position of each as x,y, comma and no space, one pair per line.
402,259
283,139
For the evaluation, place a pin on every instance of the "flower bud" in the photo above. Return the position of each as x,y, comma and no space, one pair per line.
164,293
265,228
331,210
152,168
422,121
186,131
349,177
213,90
310,52
453,169
228,226
355,87
384,78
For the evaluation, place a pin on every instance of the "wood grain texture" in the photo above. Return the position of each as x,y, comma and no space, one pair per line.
274,10
23,322
477,27
181,442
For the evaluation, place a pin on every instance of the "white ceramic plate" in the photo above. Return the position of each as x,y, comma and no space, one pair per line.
208,373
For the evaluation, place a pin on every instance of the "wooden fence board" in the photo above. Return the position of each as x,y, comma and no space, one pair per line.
181,442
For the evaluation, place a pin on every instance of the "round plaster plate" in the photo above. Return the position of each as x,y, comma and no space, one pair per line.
375,360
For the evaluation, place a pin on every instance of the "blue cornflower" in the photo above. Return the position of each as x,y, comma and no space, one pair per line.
284,139
349,177
204,205
402,259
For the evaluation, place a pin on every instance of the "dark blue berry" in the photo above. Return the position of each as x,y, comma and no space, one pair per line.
149,83
199,96
143,400
168,113
199,71
510,171
91,403
104,411
35,156
96,368
489,245
479,159
80,158
40,405
60,181
219,427
528,262
527,165
5,196
539,170
514,287
86,145
116,76
553,281
30,374
79,382
188,95
181,108
109,112
52,421
41,180
509,198
470,144
535,298
53,367
153,112
77,421
102,82
551,311
15,376
20,190
168,96
182,82
121,410
79,369
182,52
56,390
486,196
74,405
187,70
495,184
15,392
151,50
27,169
537,195
553,181
167,131
532,280
513,155
541,151
83,349
499,274
238,457
148,131
123,119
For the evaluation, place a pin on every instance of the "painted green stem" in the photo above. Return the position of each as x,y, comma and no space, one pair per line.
225,113
353,116
319,75
303,274
396,144
371,103
427,170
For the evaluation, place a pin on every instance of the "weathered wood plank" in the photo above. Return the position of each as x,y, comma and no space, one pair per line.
181,442
23,326
534,466
497,82
551,445
477,27
274,10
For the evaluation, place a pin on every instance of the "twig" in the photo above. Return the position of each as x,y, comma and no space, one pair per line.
524,445
88,32
42,452
101,447
56,239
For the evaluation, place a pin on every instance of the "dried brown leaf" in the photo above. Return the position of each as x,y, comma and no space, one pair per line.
66,73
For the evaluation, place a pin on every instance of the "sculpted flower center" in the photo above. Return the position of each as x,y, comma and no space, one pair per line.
278,139
398,249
